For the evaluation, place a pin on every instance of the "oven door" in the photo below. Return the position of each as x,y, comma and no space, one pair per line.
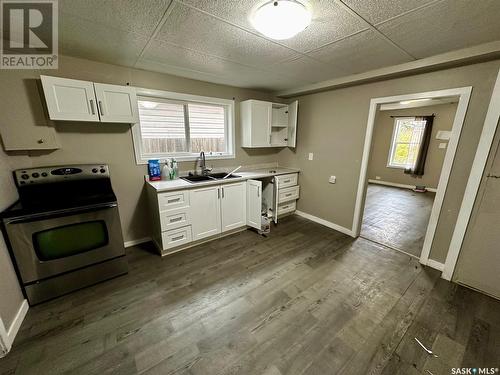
50,244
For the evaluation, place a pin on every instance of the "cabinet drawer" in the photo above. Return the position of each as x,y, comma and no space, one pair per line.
175,218
173,200
285,208
287,180
176,237
288,194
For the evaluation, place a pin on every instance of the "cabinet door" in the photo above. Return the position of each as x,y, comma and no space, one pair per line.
233,205
116,103
205,212
261,113
254,203
292,123
69,99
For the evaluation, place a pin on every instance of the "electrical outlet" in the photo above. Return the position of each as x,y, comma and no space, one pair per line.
311,156
377,177
442,145
332,179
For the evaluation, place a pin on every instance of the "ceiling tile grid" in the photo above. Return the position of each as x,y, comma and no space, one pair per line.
189,28
213,40
445,26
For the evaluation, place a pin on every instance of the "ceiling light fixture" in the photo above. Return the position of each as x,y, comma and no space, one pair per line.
281,19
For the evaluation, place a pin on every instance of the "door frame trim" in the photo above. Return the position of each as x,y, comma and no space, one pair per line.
464,94
474,181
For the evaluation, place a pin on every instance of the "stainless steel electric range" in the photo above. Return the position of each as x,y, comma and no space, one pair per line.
64,232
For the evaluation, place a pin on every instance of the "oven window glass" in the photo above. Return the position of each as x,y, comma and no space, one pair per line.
70,240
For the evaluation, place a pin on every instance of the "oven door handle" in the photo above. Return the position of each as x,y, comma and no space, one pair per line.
58,213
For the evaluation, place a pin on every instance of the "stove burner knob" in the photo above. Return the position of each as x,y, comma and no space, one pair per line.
35,175
94,170
44,174
25,176
102,170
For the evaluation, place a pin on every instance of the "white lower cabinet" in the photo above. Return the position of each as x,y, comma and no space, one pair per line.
205,211
233,205
184,216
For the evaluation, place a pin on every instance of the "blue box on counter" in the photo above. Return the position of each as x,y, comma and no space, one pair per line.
154,170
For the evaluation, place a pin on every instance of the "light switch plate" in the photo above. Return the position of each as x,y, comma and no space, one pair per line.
311,156
332,179
442,145
443,135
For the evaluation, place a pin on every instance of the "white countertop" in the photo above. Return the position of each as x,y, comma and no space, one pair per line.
180,184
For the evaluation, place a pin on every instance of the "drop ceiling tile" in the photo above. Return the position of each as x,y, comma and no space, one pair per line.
376,11
360,53
303,69
81,38
445,26
195,30
172,59
330,21
139,16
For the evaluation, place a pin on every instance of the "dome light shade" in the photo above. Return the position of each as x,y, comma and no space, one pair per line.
281,19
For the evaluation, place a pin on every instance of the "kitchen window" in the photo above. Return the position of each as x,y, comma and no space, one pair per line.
180,126
406,139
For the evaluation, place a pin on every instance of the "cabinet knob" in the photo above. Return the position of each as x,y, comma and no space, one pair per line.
40,141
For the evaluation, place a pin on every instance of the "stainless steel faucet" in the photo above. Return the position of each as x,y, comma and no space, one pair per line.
203,166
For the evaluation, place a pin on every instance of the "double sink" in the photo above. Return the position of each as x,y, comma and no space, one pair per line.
208,177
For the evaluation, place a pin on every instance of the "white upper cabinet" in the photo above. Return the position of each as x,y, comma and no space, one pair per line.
266,124
233,205
116,103
74,100
69,99
254,203
256,123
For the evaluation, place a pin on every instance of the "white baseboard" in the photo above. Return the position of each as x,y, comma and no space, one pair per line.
136,242
435,264
326,223
394,184
9,335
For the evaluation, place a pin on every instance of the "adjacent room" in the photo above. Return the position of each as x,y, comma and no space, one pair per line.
249,187
410,140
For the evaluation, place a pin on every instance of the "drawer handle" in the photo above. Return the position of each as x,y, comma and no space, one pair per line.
288,195
286,181
177,238
174,200
176,219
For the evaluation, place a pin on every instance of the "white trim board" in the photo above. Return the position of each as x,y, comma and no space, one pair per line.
435,264
403,186
136,242
475,176
326,223
464,94
7,336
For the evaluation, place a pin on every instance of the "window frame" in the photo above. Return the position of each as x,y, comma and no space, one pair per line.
179,98
393,142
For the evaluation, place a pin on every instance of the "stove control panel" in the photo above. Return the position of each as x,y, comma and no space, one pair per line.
40,175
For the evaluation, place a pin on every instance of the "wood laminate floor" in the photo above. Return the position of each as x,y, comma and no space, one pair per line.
305,300
397,217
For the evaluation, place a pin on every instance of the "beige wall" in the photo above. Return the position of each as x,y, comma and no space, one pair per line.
11,296
382,137
112,143
332,125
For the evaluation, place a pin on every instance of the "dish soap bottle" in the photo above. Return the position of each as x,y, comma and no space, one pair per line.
175,169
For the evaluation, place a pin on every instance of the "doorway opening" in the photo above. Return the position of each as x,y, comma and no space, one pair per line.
410,145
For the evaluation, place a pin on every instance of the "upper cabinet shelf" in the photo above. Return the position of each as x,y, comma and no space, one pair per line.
74,100
267,124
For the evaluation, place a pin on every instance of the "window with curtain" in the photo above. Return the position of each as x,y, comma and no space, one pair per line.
406,142
171,126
